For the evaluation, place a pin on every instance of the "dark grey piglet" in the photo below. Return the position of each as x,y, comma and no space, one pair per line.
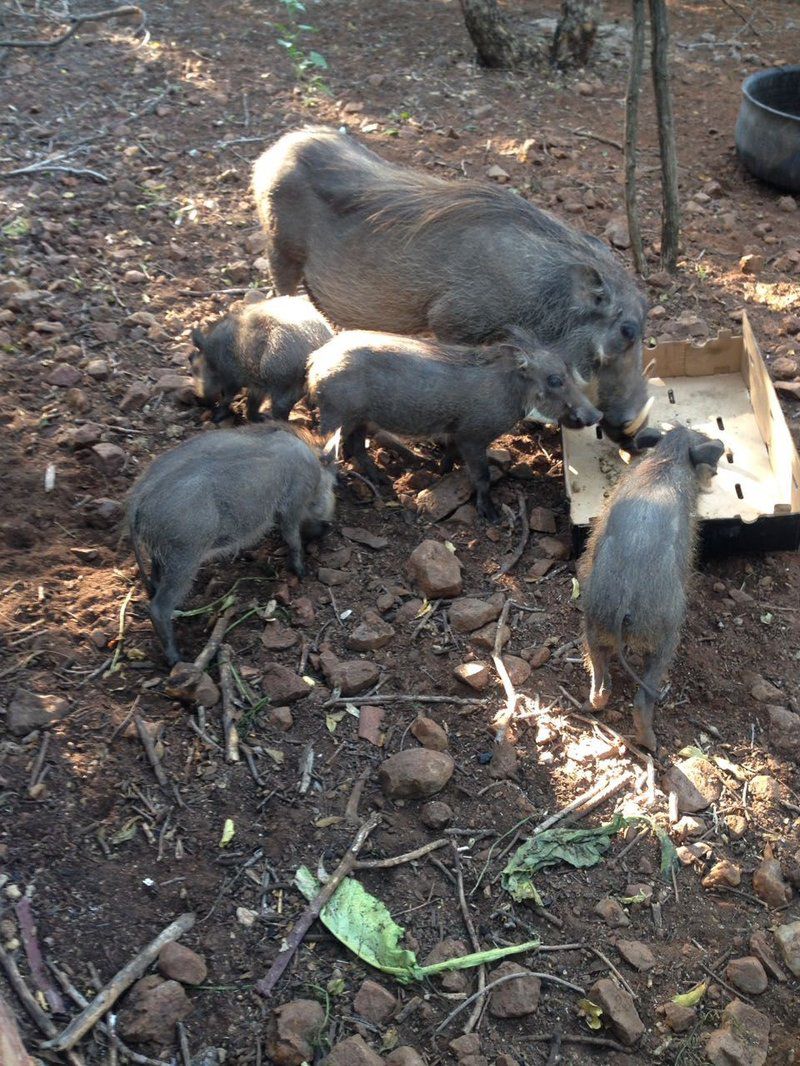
636,567
214,496
468,396
264,348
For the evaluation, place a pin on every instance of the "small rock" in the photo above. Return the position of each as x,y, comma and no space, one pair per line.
764,692
364,536
436,814
304,612
98,369
742,1039
751,264
278,637
151,1011
415,773
328,576
554,548
445,496
350,676
136,397
468,614
468,1044
404,1056
63,376
759,946
747,975
134,277
618,1011
516,998
83,436
372,633
435,570
504,761
784,731
452,980
769,885
518,670
679,1019
238,272
77,400
109,457
370,720
787,204
616,232
788,940
190,685
497,173
353,1052
31,710
539,569
696,783
723,872
785,368
281,718
465,515
141,318
374,1002
736,824
636,954
282,685
585,89
612,913
689,826
477,675
179,963
765,789
293,1030
485,638
542,520
430,734
538,656
180,387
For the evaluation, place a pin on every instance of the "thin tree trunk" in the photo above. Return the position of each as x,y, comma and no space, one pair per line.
670,223
497,46
631,134
575,34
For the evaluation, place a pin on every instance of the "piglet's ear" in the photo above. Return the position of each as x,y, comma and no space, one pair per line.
198,340
647,438
708,453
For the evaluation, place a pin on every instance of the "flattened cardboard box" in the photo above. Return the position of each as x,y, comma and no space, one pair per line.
723,389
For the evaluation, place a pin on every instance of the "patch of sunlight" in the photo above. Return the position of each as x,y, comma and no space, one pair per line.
776,295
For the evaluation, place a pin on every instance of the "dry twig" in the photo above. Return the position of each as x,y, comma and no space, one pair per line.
474,1018
398,860
33,952
514,558
267,984
229,715
206,656
76,22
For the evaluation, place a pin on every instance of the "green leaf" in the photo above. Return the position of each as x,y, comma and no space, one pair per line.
364,925
693,996
578,847
591,1013
228,833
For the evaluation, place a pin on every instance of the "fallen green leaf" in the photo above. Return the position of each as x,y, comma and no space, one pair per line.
333,719
228,831
364,925
628,901
576,588
578,847
693,996
277,756
590,1012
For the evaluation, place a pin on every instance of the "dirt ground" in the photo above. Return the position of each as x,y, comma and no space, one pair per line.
115,273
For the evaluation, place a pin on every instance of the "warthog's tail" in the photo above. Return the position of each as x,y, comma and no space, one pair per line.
624,619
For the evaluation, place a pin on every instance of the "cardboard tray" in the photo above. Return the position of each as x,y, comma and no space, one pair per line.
723,389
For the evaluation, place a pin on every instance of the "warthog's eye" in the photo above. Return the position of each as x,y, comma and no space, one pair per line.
555,382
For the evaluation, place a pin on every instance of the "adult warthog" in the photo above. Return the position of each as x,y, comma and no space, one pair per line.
384,248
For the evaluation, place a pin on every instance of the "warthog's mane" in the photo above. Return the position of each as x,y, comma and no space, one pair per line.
314,442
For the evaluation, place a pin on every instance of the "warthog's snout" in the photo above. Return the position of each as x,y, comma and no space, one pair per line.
581,416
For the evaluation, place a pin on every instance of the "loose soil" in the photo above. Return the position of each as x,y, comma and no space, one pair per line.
174,123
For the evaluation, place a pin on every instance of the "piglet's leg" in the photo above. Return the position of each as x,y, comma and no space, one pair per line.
600,692
655,667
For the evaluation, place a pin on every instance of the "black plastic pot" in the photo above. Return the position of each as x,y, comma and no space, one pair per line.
768,127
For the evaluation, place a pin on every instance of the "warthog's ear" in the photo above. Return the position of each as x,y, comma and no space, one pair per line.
647,438
198,340
588,286
708,453
330,453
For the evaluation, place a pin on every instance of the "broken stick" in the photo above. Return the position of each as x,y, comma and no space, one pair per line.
205,657
267,984
229,715
118,984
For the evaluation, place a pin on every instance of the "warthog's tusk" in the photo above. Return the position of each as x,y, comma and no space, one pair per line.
636,423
